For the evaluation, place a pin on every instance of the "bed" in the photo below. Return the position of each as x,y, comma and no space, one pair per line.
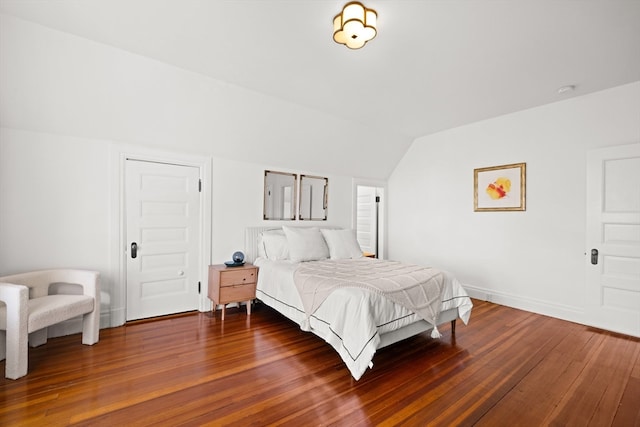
354,319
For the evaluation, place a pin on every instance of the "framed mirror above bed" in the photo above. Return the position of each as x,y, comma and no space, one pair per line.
280,190
313,198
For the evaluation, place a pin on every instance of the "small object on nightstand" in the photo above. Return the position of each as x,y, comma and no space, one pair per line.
238,260
232,284
238,257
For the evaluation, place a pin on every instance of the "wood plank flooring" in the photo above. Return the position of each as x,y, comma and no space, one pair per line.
506,368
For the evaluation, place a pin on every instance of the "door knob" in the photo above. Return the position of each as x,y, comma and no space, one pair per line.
594,256
134,250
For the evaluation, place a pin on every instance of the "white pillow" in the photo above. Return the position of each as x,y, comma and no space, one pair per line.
306,244
342,244
274,244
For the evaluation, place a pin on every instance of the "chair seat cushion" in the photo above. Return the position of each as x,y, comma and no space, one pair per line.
51,309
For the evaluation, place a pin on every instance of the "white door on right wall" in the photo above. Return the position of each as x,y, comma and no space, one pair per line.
613,239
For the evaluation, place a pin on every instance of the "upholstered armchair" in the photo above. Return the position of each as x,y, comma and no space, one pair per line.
28,305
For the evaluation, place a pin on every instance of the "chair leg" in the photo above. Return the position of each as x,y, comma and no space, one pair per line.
17,353
38,338
91,327
453,327
17,337
3,345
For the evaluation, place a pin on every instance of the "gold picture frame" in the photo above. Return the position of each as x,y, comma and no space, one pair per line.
500,188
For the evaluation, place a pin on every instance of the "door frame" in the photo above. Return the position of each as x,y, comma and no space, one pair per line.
382,231
119,153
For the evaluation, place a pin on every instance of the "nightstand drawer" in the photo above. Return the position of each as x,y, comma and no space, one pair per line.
238,293
238,277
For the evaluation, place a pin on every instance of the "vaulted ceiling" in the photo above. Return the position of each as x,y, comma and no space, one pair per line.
434,65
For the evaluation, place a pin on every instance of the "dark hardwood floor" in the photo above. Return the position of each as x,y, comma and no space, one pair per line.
506,368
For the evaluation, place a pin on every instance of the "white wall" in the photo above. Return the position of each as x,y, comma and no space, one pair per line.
54,202
56,206
59,83
67,102
533,260
238,203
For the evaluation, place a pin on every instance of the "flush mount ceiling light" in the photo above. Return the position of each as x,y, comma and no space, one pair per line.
355,25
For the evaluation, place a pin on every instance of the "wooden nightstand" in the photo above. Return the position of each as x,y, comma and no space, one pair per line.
232,284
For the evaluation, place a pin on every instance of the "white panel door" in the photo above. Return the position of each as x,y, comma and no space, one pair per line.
366,217
163,244
613,238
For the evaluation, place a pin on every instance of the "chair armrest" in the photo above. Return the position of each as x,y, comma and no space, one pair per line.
89,280
15,298
39,281
13,294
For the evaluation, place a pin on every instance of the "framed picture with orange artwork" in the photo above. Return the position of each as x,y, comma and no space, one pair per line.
500,188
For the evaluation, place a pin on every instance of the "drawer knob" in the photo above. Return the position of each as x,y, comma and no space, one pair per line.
180,273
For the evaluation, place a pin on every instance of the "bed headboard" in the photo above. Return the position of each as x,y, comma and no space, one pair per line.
252,239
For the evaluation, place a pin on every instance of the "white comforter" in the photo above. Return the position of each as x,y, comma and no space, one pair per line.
414,287
351,320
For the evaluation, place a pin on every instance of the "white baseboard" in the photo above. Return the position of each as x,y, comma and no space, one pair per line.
118,317
546,308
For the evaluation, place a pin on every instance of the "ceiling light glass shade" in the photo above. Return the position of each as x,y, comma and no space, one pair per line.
355,26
